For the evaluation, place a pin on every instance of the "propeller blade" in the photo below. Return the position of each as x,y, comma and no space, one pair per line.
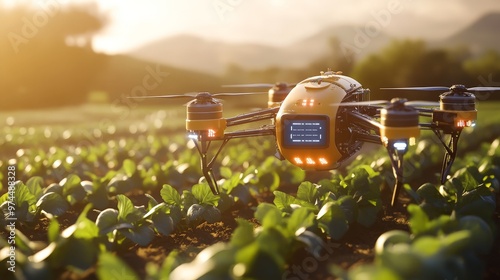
484,89
437,88
362,103
164,96
261,85
238,93
422,103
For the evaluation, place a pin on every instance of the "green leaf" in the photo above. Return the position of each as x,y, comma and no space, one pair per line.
268,215
52,203
307,191
195,213
226,172
71,184
142,235
163,223
273,182
283,200
188,199
86,229
23,194
314,244
243,234
332,219
300,218
418,219
110,267
119,185
126,210
157,208
35,186
367,215
129,167
53,230
204,195
350,208
106,220
413,194
170,195
211,214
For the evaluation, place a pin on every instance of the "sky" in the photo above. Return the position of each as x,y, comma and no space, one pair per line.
133,23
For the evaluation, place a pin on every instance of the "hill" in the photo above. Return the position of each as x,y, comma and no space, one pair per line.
479,36
210,56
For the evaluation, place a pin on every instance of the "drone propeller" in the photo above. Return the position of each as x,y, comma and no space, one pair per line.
416,103
197,95
259,85
454,88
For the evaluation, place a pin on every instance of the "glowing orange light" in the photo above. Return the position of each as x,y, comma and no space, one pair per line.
298,160
323,161
211,133
307,102
310,161
464,123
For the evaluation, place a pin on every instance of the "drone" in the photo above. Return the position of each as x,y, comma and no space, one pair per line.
324,120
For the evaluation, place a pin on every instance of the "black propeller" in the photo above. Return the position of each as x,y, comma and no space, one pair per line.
260,85
454,88
416,103
198,95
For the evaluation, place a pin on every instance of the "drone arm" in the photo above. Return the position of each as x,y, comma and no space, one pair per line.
252,117
264,131
363,121
369,138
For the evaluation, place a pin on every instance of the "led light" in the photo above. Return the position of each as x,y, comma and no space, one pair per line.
211,133
400,146
310,161
298,160
323,161
412,141
460,123
311,102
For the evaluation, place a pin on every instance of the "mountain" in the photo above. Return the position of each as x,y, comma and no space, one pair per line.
479,36
210,56
214,57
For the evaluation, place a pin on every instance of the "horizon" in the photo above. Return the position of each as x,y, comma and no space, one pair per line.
133,25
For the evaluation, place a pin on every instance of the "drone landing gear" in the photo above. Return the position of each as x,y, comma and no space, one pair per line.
451,149
396,151
206,164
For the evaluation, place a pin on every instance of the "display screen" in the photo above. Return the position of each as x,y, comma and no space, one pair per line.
305,131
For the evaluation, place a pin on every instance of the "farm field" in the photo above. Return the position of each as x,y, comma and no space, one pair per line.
122,188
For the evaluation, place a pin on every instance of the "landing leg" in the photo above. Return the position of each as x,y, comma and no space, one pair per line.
396,150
